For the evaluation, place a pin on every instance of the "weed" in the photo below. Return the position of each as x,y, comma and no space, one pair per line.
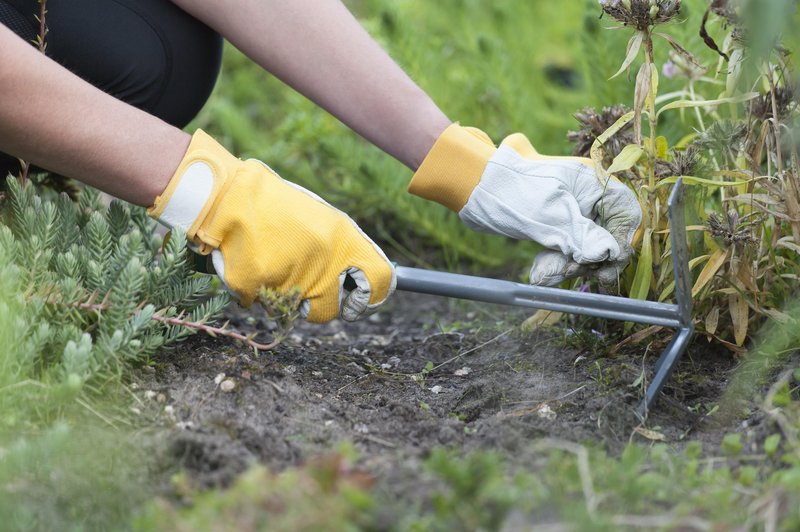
730,139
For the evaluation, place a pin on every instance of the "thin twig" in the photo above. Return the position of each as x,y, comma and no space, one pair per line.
214,331
468,351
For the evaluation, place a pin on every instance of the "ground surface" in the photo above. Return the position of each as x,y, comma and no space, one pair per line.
489,386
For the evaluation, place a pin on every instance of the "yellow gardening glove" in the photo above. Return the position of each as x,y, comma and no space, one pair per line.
264,231
586,221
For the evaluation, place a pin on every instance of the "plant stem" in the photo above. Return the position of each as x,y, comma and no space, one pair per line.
213,331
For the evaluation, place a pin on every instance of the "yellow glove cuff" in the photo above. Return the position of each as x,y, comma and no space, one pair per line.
453,167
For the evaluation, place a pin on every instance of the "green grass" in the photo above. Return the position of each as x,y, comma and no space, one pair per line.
567,485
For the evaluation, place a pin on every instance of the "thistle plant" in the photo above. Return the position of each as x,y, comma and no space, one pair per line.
736,149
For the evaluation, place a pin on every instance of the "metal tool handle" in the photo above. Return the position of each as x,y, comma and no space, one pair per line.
510,293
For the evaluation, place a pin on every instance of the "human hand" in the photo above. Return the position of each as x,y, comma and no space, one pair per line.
586,221
264,231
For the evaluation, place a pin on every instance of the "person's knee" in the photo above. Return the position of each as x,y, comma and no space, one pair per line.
148,53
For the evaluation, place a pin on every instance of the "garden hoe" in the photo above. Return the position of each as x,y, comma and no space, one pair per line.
677,316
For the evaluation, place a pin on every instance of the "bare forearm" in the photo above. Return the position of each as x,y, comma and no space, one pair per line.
52,118
320,49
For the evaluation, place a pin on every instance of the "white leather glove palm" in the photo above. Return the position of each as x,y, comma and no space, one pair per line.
560,202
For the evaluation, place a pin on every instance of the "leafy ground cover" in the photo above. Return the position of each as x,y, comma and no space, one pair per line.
433,414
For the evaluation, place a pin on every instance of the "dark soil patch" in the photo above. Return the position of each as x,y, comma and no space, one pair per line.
491,387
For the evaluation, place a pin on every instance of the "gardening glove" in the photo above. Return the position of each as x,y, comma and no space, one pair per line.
587,222
264,231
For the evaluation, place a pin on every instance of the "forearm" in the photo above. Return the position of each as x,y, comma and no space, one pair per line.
321,50
52,118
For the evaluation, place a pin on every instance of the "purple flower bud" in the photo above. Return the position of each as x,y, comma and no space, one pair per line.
670,70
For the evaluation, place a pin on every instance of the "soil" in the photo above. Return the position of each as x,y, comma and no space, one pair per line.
487,386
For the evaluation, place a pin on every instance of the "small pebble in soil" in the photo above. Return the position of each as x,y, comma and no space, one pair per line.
545,412
227,385
436,389
161,398
149,394
466,370
219,378
316,373
291,369
341,336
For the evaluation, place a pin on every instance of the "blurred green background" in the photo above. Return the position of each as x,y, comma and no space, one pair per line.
502,66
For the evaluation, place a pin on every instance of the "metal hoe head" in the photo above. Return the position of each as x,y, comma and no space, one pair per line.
677,315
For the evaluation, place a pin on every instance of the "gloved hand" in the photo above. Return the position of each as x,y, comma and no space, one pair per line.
586,221
264,231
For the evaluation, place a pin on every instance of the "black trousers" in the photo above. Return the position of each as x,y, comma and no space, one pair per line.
148,53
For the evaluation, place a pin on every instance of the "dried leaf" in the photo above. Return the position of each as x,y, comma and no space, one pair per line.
740,314
746,277
680,49
735,64
712,320
711,268
541,318
640,94
634,44
649,434
777,315
636,337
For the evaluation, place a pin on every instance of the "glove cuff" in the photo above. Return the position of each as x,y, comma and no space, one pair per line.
191,191
453,167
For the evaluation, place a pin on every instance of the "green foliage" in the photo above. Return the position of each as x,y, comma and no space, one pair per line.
321,496
81,285
567,486
727,126
76,476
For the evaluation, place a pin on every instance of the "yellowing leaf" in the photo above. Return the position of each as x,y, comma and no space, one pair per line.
540,318
740,313
692,180
711,268
662,146
596,153
692,264
626,158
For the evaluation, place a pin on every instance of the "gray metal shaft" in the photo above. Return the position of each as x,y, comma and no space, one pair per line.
510,293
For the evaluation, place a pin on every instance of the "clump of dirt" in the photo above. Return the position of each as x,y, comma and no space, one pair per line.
423,373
